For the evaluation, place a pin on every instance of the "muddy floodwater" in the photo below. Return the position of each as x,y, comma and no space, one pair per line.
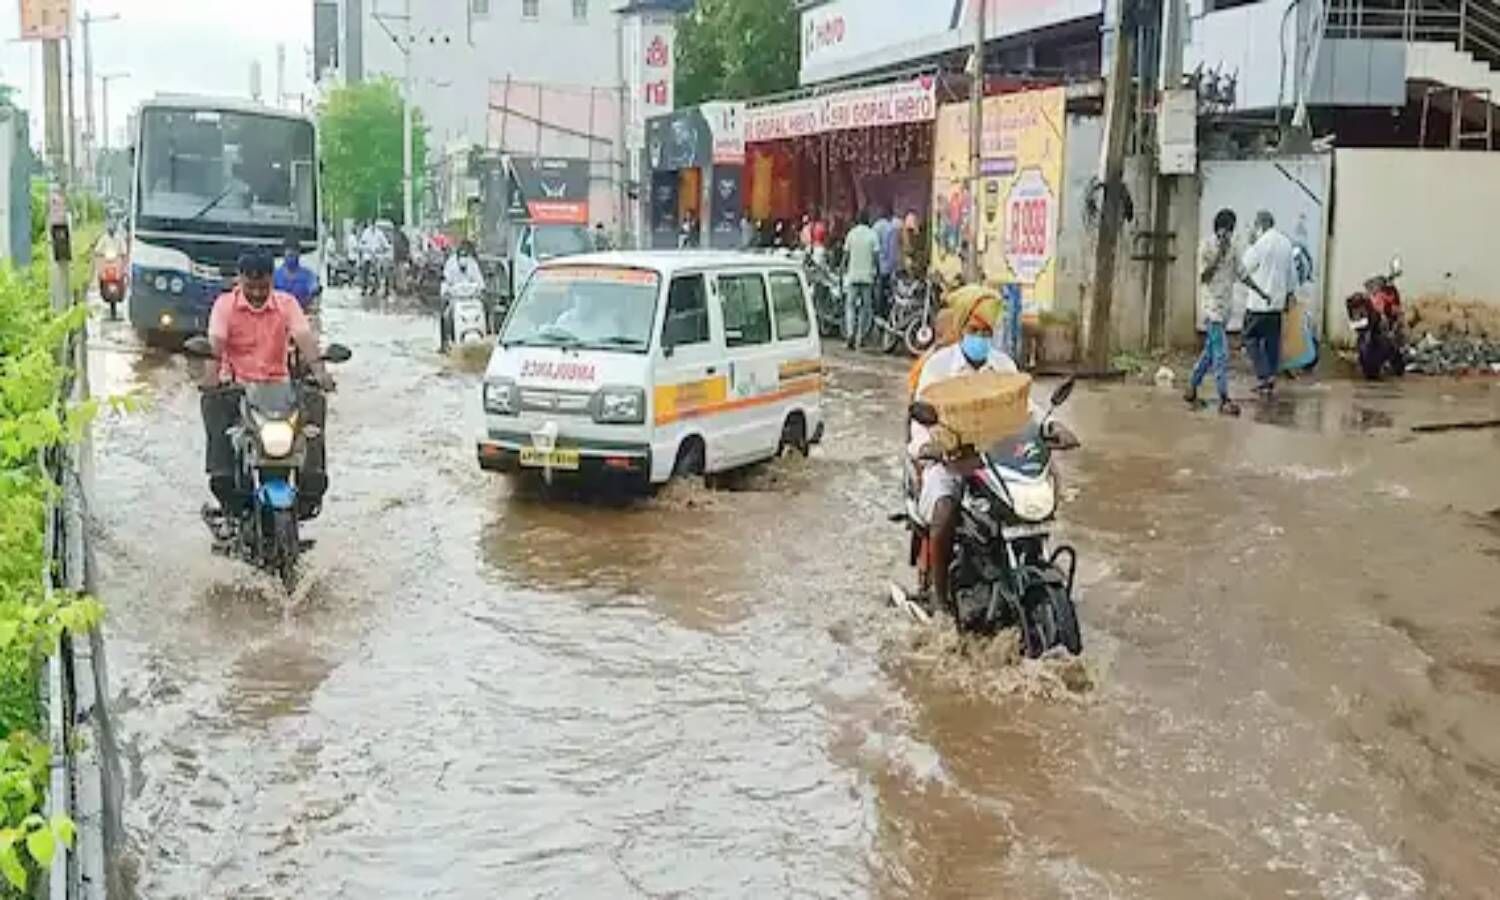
1291,684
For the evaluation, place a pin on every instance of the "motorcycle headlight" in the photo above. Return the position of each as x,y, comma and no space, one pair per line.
621,406
177,285
276,439
500,397
160,283
1033,502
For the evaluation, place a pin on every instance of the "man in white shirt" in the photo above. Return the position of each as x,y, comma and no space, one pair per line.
461,271
1270,275
1218,272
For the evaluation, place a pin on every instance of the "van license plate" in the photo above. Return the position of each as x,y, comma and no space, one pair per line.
566,460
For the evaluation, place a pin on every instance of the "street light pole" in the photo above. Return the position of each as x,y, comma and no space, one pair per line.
408,213
972,268
104,81
90,138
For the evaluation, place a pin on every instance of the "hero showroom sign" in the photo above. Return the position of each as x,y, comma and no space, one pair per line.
886,104
843,37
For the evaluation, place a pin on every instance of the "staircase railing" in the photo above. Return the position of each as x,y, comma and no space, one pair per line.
1471,25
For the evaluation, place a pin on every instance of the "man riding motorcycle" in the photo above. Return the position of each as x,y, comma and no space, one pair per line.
974,312
250,329
462,269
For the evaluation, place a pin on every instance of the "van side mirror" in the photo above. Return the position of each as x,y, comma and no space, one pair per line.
1063,392
924,414
337,353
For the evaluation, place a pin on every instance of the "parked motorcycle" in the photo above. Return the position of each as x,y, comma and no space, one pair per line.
1003,573
1379,324
112,284
270,445
910,319
828,296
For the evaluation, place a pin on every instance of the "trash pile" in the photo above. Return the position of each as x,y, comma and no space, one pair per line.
1448,336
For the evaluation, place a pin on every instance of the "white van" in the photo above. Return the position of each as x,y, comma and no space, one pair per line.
650,365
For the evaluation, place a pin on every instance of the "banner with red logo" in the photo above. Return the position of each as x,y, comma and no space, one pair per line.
886,104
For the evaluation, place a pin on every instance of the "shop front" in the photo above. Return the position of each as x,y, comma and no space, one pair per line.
828,157
697,160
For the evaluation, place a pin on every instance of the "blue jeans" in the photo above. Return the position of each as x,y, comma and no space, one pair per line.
859,312
1215,355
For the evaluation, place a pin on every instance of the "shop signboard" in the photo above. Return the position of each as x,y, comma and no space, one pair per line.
1020,184
45,20
846,37
898,103
552,191
694,138
649,71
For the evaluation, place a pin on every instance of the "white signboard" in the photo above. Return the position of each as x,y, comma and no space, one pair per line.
726,123
650,68
1031,224
845,37
886,104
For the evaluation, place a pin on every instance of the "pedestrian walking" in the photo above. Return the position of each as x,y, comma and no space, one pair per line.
1219,271
861,265
1269,274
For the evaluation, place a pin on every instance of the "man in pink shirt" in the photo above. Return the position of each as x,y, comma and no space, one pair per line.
251,328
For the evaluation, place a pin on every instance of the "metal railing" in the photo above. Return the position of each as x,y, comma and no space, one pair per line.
1471,25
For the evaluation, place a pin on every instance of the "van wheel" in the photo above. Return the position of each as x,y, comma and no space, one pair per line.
691,459
794,435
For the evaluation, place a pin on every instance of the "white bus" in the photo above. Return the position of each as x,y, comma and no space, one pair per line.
214,178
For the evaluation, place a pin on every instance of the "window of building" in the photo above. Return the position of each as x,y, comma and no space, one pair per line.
790,306
747,318
580,10
479,7
530,9
687,313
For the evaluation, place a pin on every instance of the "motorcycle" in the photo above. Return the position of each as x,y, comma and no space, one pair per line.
828,296
1379,324
911,316
465,308
1002,573
112,284
342,271
270,446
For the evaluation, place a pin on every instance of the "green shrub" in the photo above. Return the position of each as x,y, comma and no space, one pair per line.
33,422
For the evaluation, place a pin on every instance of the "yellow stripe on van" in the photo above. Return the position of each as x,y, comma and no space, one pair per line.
690,398
666,414
798,368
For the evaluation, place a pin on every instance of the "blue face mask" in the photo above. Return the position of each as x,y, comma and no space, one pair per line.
976,348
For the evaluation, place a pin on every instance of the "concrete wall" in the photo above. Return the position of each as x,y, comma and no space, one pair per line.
1078,236
457,55
1436,209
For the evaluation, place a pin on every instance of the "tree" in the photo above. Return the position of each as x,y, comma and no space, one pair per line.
736,49
360,127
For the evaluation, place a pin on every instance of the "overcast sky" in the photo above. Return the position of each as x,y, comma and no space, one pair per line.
197,46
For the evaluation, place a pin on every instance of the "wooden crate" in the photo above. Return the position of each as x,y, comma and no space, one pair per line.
980,409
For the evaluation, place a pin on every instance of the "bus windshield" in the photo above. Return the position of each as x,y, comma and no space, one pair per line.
216,167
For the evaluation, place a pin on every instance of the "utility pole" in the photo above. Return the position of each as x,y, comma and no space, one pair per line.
74,164
281,76
972,269
1172,14
1111,176
407,182
90,137
57,213
107,183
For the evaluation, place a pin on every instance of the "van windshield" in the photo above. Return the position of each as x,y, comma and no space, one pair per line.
590,307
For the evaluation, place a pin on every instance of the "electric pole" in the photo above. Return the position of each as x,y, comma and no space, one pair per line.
972,269
407,185
1111,176
90,137
107,183
57,203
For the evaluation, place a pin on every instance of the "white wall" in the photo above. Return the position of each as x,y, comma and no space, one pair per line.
452,76
1437,209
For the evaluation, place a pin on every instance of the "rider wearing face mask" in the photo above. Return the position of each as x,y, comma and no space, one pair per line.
975,311
462,269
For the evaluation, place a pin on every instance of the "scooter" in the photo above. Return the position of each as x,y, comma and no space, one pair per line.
112,285
1379,324
828,296
270,445
465,306
1003,573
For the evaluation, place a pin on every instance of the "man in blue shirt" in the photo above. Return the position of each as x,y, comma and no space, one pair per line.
296,279
888,247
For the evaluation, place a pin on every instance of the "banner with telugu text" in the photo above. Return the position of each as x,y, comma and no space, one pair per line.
1020,186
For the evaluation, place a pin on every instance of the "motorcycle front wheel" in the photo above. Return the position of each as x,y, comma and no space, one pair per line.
919,337
286,547
1049,619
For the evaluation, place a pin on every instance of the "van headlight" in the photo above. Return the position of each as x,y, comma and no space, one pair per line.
161,284
276,439
500,397
621,406
177,285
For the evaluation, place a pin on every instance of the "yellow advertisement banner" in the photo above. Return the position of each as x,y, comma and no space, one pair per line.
1020,189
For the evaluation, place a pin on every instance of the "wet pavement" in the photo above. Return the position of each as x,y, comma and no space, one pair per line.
1291,682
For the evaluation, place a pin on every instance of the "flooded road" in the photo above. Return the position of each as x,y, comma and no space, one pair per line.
1291,686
